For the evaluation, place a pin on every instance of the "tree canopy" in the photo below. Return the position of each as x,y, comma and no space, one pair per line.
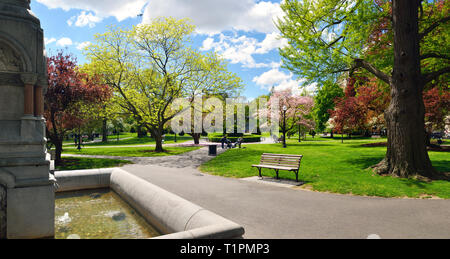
69,98
151,65
403,43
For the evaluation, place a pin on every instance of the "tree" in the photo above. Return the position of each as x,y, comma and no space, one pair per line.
437,108
324,102
151,65
69,96
360,107
331,37
348,115
105,109
298,110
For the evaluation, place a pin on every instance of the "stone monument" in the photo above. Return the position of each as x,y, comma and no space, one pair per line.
27,200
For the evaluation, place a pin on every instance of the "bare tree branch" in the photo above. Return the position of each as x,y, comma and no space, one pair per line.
360,63
433,26
434,55
434,75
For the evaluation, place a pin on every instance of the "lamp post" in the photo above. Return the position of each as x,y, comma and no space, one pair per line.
284,125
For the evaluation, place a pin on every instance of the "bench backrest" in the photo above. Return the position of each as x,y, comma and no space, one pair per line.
281,160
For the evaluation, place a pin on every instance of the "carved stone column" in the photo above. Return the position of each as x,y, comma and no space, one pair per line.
2,212
39,97
29,80
26,185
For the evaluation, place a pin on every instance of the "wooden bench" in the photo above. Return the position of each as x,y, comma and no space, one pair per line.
280,162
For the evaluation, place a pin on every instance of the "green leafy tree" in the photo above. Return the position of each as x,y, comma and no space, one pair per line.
151,65
324,102
330,39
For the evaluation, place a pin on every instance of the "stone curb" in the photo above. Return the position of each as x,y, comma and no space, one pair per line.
169,213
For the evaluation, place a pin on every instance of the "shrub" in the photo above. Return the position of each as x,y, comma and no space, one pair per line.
245,138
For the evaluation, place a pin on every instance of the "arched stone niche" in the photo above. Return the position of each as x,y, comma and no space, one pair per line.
13,56
11,86
9,60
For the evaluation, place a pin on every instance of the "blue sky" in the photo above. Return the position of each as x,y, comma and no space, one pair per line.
241,31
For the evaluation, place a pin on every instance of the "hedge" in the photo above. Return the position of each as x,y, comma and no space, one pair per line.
245,139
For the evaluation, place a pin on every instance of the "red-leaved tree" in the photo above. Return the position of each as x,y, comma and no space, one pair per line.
437,107
361,107
66,99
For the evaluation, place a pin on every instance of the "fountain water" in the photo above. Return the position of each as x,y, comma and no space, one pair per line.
99,214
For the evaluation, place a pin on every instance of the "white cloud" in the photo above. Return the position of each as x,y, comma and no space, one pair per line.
64,42
102,8
84,19
236,49
49,41
240,49
280,81
81,46
214,16
207,44
274,77
271,42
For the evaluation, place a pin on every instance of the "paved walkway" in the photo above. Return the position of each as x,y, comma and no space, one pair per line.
191,159
271,211
268,211
274,211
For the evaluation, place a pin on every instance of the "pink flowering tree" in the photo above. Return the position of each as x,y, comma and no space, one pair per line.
298,111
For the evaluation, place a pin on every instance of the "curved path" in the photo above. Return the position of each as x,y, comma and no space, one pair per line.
192,159
268,211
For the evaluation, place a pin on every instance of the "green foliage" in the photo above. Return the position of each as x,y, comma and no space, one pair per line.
325,36
323,102
245,138
151,65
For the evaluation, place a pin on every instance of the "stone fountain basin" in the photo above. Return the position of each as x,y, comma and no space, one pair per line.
172,215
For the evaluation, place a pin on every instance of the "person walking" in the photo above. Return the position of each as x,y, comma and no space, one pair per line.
239,142
223,140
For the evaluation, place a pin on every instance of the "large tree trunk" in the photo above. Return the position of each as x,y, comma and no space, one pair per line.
58,151
157,135
407,154
141,132
104,131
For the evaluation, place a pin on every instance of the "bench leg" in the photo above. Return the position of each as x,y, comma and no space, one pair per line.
296,175
277,174
260,172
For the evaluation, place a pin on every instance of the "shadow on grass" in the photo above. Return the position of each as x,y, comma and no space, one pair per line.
305,144
365,162
441,166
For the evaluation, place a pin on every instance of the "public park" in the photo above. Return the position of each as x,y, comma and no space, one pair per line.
273,119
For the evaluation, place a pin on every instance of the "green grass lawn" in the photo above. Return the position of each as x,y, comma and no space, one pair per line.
132,140
79,163
330,166
130,151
